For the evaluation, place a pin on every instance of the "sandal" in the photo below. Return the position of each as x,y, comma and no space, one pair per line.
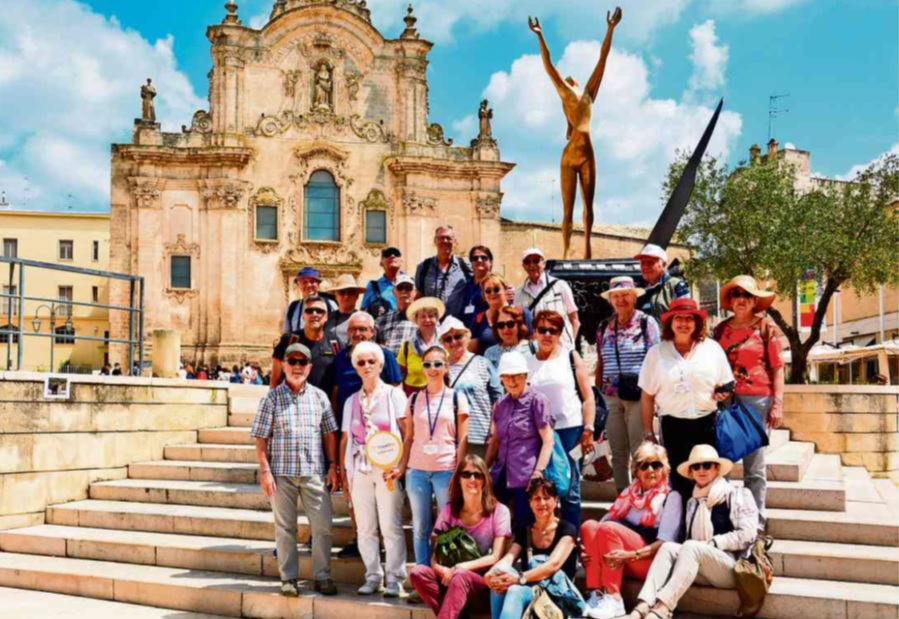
640,611
659,613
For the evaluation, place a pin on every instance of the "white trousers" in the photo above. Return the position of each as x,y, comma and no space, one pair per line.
677,566
377,507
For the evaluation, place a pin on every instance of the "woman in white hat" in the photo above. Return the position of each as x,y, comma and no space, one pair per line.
721,525
426,313
622,342
751,342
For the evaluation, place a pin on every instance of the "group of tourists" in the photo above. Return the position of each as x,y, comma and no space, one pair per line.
496,413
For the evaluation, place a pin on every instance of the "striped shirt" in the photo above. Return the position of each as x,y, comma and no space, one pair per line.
480,384
393,328
294,425
632,348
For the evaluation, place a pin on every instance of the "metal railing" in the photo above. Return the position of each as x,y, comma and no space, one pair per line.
14,304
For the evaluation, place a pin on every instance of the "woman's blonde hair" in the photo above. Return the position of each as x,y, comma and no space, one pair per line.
647,450
493,278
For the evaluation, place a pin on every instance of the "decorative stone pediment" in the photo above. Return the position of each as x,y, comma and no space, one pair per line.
201,123
182,248
180,294
489,207
436,136
222,194
325,254
413,204
266,196
318,156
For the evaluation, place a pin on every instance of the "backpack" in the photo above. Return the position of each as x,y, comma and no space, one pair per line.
380,305
753,575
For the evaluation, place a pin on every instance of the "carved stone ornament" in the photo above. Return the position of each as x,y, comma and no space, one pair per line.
182,248
377,201
201,123
370,131
436,136
266,196
180,294
415,205
318,156
222,195
290,82
353,79
145,192
414,68
324,123
356,7
489,207
323,87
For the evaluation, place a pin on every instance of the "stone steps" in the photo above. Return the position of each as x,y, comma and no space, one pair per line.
241,420
862,523
844,562
786,463
211,453
225,472
225,436
255,596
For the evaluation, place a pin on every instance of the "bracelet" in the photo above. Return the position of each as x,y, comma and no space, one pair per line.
266,471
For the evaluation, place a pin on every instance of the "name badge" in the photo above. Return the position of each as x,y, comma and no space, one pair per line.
682,387
430,449
469,309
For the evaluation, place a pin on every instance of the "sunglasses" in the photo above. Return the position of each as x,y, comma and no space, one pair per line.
472,475
547,331
391,254
492,290
363,362
453,338
300,362
405,287
428,365
740,294
508,324
532,261
655,465
705,466
315,310
480,259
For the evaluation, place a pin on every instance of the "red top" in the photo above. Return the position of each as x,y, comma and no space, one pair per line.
753,353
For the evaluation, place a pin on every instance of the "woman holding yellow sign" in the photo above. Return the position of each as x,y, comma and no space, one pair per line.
371,447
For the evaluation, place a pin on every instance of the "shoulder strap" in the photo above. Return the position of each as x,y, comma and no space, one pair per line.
643,322
376,287
292,310
466,268
577,386
413,399
547,288
459,375
422,276
719,328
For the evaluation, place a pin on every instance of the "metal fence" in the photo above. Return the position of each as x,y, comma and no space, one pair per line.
14,305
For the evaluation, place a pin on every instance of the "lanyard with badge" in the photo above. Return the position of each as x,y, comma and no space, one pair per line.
431,449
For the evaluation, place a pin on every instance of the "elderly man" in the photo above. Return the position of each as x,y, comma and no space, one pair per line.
541,292
444,276
394,328
308,281
323,344
661,287
295,424
379,298
347,292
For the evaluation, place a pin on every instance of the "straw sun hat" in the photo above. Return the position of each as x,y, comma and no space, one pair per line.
705,453
763,298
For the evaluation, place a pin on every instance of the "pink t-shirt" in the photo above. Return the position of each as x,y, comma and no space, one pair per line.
434,430
497,524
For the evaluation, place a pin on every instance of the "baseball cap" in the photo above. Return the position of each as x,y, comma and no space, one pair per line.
309,272
297,348
391,252
404,279
533,251
652,251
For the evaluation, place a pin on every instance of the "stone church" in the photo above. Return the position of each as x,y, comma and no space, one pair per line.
316,150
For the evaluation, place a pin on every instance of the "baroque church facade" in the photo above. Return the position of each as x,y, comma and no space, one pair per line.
316,150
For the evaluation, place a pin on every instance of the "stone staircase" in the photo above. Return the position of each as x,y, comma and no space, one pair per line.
194,533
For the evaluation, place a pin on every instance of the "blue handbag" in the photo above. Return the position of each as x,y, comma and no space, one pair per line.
738,430
558,471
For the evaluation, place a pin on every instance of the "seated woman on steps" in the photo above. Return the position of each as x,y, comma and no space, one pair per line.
721,525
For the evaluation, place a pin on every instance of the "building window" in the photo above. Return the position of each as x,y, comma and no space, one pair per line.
66,293
95,253
10,248
375,226
95,294
66,250
181,272
10,306
9,338
64,335
322,208
267,223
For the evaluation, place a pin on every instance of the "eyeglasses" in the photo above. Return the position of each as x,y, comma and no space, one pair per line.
740,294
300,362
480,259
436,365
445,238
705,466
655,465
315,310
508,324
453,338
472,475
492,290
547,331
532,261
363,362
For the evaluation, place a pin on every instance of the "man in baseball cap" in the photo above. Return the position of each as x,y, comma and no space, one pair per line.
394,328
661,287
379,298
541,292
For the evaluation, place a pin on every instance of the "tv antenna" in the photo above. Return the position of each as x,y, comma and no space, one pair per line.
774,111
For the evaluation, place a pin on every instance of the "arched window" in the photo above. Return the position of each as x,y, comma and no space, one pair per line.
322,219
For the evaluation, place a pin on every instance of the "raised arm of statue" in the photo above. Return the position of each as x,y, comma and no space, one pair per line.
595,79
556,77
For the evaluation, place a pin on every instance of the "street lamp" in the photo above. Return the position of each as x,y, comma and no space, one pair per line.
36,325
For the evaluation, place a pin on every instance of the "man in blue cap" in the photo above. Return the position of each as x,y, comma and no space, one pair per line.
308,280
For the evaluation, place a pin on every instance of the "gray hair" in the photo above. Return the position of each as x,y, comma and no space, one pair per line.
445,228
360,315
367,348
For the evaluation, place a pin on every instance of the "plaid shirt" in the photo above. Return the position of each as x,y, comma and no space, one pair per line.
393,328
294,426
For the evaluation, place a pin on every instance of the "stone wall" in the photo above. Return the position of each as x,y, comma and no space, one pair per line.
861,423
51,450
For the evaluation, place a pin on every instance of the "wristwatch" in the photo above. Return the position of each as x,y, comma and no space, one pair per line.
522,580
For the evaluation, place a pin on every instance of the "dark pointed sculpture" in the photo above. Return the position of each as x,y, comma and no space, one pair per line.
578,163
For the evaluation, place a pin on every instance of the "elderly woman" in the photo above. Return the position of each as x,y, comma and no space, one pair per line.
474,376
376,407
426,313
494,289
624,542
436,438
683,379
551,542
751,342
722,523
472,507
560,375
511,333
622,342
521,435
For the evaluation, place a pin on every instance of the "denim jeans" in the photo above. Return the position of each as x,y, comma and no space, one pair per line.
754,470
571,505
420,486
511,604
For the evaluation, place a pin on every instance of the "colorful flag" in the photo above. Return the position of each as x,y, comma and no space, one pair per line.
808,298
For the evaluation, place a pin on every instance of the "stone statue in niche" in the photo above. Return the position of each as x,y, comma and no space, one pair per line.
485,115
323,89
148,107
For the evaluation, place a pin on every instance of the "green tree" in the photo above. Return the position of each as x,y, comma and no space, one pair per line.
751,220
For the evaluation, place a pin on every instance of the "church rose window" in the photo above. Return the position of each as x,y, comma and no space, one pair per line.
267,223
322,208
181,272
375,226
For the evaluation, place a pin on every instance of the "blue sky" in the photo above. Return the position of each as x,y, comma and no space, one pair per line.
70,73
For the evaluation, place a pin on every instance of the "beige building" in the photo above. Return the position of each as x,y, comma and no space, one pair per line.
78,240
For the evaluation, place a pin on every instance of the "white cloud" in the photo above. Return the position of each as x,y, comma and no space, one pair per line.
789,146
465,129
63,104
753,7
708,57
861,167
635,135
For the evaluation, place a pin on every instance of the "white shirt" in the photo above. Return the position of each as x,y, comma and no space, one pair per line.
554,379
683,386
559,299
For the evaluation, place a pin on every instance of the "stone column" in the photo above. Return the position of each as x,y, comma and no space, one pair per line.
166,353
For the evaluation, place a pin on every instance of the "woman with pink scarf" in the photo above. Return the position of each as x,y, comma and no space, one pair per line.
645,515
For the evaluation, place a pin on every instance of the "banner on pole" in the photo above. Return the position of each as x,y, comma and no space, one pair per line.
808,300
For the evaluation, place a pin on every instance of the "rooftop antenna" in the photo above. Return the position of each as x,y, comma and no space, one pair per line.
773,110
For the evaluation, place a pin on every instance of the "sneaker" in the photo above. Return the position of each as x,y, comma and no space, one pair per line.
370,587
289,588
326,587
593,601
609,607
350,551
393,590
414,598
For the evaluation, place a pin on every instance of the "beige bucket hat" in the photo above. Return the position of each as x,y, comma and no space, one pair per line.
704,453
764,299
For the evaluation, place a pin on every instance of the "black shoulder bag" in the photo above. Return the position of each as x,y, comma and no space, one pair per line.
628,389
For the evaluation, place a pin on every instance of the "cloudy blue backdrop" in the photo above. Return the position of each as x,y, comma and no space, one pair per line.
70,74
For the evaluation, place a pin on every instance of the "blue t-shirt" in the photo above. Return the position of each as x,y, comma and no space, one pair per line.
386,288
473,303
348,381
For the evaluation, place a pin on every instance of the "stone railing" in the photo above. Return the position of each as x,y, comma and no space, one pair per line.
51,450
859,422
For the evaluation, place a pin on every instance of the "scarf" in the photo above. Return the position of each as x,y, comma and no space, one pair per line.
633,497
367,405
419,344
706,498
